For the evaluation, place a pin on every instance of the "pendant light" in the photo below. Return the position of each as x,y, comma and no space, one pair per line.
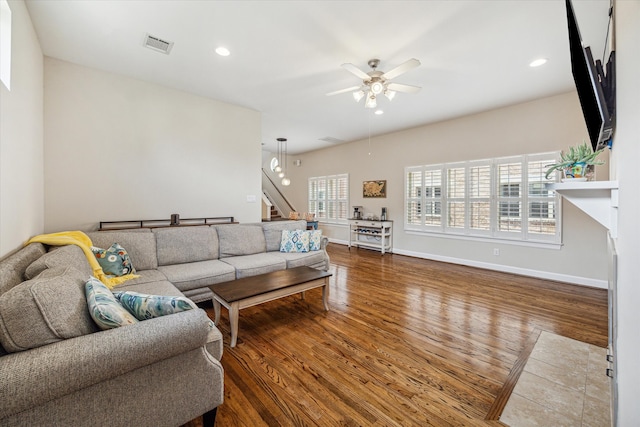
278,168
283,149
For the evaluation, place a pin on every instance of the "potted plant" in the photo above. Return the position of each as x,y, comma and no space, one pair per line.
576,163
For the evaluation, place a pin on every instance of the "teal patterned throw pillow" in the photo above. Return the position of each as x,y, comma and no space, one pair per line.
315,240
294,241
104,309
114,261
145,307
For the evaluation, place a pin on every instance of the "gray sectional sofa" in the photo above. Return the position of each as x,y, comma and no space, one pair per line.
58,368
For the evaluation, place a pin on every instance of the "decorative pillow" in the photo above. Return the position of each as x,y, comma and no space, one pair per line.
315,240
105,310
294,241
145,307
114,261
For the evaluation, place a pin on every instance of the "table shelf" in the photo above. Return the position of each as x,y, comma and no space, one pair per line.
362,231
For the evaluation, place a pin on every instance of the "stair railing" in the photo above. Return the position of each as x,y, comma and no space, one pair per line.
273,193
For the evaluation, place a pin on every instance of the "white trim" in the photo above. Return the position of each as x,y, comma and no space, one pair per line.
5,44
577,280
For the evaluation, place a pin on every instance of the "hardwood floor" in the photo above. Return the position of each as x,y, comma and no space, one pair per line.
408,342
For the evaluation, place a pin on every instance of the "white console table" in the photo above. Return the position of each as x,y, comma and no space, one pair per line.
371,234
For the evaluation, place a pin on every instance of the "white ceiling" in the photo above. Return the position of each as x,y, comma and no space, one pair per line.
286,55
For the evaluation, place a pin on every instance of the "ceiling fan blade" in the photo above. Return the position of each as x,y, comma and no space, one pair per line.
357,71
349,89
403,88
401,69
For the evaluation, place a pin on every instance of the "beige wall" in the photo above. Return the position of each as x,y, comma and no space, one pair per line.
21,135
625,154
117,148
544,125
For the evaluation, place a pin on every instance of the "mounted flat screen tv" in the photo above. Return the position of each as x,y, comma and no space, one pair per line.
595,85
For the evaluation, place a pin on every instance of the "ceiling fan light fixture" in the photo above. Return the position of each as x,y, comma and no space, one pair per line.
371,102
286,181
358,95
281,174
390,94
377,88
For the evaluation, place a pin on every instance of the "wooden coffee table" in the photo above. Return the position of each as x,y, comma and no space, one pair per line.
250,291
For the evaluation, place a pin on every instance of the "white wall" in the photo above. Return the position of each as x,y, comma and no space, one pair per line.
544,125
625,153
117,148
21,135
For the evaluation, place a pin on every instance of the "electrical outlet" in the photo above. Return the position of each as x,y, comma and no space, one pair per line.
496,251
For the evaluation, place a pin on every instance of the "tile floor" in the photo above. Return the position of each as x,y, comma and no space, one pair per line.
563,383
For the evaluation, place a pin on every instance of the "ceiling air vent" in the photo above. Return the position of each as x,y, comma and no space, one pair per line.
155,43
332,140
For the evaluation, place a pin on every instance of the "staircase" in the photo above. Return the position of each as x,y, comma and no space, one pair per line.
274,202
275,215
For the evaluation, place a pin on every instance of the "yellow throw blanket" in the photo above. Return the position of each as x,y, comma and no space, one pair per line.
80,239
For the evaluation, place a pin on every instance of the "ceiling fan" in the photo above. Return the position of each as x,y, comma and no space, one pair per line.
377,82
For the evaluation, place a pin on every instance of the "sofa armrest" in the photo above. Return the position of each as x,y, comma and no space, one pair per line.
35,376
324,243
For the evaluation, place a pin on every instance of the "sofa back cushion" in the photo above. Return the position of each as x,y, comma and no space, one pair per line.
273,232
140,244
179,245
236,240
49,308
60,256
13,267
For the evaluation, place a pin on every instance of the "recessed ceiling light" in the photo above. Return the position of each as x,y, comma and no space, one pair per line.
538,62
378,112
223,51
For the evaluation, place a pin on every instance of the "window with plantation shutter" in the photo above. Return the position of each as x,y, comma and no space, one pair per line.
480,197
456,190
503,198
541,202
509,183
423,197
328,198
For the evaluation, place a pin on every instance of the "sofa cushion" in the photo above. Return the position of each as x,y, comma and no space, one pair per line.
310,259
140,245
186,244
236,240
144,276
294,241
13,267
49,308
104,308
145,306
161,287
115,261
273,232
198,274
252,265
201,294
60,256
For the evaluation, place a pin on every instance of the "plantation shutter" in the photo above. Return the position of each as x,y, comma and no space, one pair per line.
456,189
480,198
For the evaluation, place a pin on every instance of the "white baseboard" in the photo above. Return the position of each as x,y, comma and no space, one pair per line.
577,280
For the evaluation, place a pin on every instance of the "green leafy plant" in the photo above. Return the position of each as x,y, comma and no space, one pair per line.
578,154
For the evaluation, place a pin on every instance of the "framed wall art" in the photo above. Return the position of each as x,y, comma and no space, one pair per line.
374,189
